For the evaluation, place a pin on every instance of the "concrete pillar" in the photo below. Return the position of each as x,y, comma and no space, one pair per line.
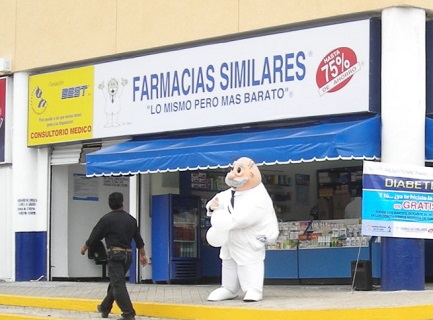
30,201
403,129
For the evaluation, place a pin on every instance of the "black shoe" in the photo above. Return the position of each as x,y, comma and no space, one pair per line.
104,314
126,318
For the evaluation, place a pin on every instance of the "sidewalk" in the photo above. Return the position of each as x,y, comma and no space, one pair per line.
189,302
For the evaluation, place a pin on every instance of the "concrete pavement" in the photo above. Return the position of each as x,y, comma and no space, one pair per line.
78,300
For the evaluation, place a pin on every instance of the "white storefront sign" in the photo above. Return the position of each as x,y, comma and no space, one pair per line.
311,72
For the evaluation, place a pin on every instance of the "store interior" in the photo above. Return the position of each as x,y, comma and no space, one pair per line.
309,200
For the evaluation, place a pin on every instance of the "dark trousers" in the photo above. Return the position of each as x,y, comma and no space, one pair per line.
118,265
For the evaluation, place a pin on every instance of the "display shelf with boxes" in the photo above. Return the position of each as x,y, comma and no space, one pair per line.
318,234
279,187
332,234
271,178
287,238
335,188
208,181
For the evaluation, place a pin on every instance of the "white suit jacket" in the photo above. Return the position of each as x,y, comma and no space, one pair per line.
253,223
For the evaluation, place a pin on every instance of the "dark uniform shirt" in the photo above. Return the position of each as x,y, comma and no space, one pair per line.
118,228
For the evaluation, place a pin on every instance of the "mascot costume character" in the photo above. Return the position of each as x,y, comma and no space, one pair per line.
242,221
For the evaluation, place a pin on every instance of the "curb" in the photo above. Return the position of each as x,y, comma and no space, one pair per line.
7,316
186,311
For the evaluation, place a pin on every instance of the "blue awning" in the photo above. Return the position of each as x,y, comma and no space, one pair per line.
348,138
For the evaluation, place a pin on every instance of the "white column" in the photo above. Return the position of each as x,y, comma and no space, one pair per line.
30,185
30,168
403,85
7,251
403,129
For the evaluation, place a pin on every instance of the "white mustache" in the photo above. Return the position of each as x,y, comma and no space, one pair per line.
236,182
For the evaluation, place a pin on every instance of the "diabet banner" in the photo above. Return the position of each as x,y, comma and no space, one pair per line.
316,71
397,201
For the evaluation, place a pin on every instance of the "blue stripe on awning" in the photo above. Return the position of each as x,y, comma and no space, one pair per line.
348,138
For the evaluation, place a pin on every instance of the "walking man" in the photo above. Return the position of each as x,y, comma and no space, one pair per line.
118,228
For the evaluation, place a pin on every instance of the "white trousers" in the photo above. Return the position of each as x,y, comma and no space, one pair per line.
245,277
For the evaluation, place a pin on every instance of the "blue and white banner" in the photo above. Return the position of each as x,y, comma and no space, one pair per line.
397,201
302,73
318,71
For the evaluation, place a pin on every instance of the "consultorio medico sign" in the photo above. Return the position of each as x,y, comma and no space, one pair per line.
317,71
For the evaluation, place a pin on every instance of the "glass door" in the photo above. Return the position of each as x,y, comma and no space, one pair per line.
185,227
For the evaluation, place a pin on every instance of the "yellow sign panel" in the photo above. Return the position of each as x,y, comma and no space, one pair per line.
61,106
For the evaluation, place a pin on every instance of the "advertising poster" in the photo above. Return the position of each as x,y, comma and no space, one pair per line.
397,201
61,106
264,78
2,119
85,189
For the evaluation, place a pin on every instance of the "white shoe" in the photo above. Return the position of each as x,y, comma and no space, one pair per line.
253,295
221,294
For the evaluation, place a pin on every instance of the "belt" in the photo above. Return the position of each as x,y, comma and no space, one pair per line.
119,249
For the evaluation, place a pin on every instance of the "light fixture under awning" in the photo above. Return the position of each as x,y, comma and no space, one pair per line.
340,138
